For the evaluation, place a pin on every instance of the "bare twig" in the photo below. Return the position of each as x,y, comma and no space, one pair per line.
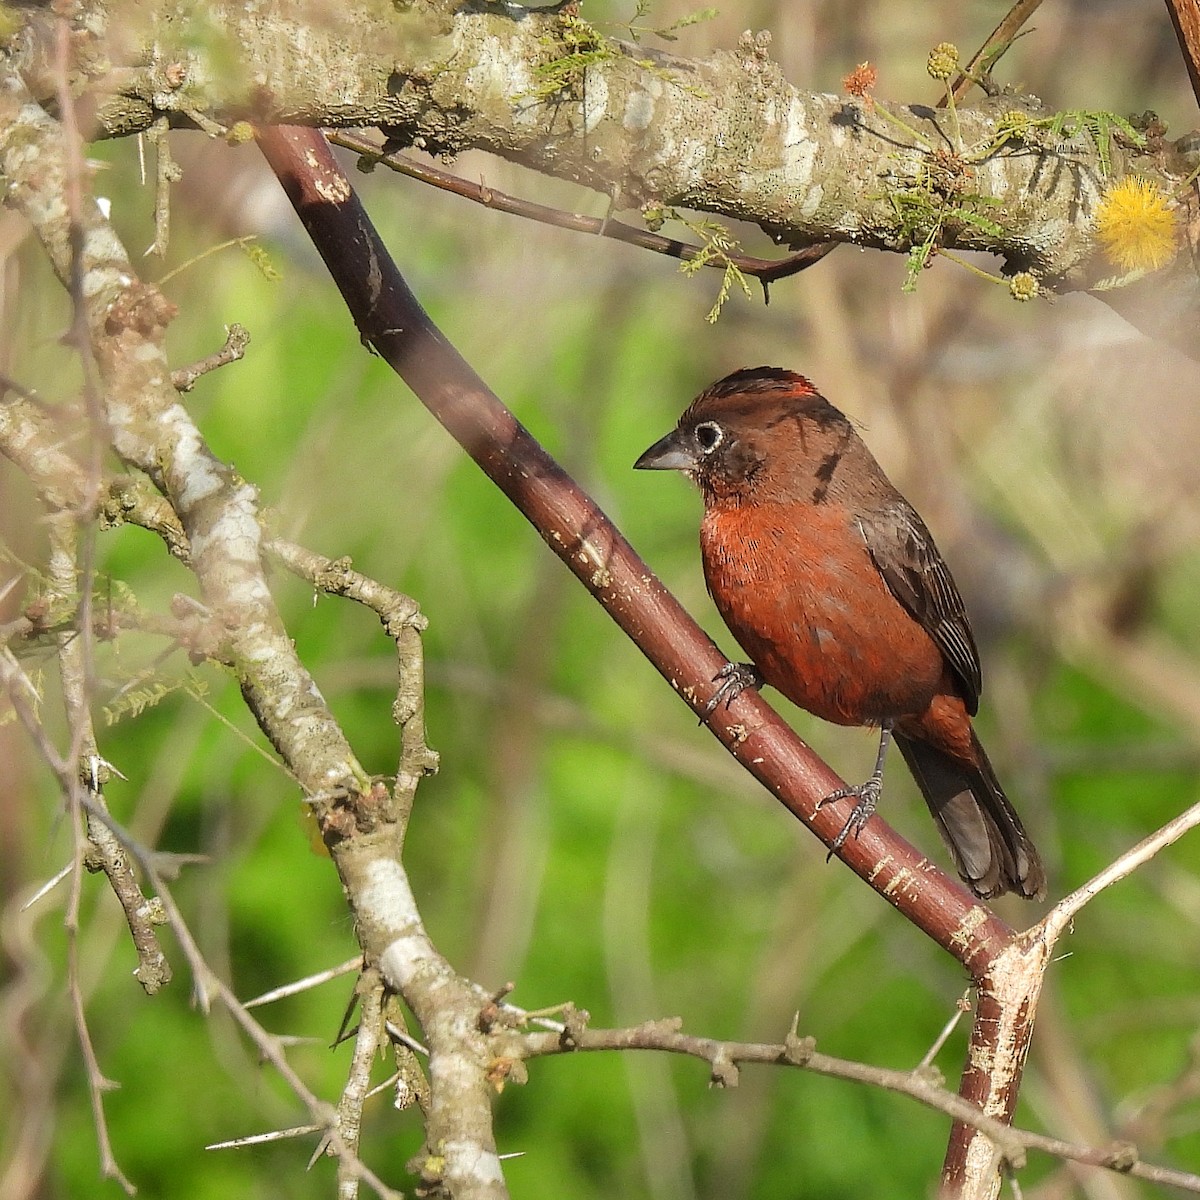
30,439
404,1038
126,321
961,1008
237,338
166,172
24,698
209,987
765,269
48,886
62,573
98,1084
337,578
367,1044
310,981
103,852
403,622
100,850
996,44
133,500
1059,918
723,1057
263,1139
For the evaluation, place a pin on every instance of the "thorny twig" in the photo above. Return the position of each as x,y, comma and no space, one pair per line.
62,578
723,1058
367,1043
209,987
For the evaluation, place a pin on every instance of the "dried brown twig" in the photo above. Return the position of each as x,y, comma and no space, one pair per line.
922,1085
766,270
237,338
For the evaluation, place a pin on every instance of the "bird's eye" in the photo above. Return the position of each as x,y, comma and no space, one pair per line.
709,436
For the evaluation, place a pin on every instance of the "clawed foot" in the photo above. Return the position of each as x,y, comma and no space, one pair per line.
866,800
735,679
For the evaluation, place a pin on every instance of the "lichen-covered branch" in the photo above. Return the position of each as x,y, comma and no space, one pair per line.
152,431
403,623
727,134
27,438
103,852
209,517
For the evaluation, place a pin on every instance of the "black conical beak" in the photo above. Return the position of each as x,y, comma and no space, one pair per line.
667,454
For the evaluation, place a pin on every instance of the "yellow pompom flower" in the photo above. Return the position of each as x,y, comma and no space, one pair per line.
1134,226
1024,286
943,60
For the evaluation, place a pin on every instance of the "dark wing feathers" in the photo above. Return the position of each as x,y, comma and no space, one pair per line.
905,555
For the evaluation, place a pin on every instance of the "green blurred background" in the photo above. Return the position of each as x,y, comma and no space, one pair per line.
583,838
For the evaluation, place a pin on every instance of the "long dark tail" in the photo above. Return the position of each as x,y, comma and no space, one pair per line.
985,836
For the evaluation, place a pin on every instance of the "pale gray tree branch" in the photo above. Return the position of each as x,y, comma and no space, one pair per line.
126,321
726,135
216,529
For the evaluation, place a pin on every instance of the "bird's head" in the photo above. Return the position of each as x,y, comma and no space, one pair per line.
759,431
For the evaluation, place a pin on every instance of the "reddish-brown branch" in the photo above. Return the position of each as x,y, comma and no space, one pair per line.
997,43
391,320
1185,16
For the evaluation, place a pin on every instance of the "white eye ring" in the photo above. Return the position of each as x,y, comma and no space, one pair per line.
709,435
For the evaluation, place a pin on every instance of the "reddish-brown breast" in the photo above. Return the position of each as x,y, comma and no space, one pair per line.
798,589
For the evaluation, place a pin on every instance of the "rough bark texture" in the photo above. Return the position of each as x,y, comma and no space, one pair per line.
727,135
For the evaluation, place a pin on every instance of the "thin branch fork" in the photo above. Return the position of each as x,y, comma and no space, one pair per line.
208,986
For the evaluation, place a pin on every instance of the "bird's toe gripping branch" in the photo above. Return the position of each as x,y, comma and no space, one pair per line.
735,679
866,795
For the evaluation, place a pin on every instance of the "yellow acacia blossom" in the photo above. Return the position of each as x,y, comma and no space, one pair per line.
1024,286
1135,227
943,60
